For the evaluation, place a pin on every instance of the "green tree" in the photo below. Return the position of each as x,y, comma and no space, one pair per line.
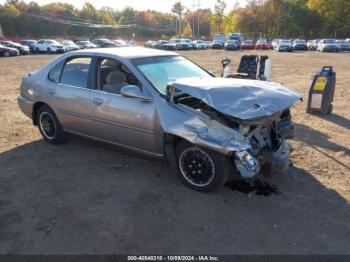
8,15
218,17
336,13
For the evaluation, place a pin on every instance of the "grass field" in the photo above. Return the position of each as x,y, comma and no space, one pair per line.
83,197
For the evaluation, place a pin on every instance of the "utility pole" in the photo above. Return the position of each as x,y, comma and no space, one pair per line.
198,7
175,26
193,6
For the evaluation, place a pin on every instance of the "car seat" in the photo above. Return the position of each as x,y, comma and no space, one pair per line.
115,81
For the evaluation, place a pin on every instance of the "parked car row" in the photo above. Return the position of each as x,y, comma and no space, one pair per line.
322,45
9,48
329,45
179,44
280,45
188,44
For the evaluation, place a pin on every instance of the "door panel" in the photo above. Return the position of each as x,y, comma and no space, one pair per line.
69,94
73,108
123,120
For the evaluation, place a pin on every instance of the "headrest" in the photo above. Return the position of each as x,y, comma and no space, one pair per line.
116,77
112,63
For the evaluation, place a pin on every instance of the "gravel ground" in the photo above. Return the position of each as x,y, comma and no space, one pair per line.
88,198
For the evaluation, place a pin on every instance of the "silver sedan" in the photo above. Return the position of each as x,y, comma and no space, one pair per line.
161,104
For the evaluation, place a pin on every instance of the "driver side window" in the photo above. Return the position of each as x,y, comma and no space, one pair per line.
112,76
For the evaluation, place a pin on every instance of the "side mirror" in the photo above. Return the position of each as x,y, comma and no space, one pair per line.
133,91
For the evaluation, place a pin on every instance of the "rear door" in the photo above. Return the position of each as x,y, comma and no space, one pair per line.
69,93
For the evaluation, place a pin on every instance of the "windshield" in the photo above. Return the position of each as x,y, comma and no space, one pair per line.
164,69
30,41
52,42
103,40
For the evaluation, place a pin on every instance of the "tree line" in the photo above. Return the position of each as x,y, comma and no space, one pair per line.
258,18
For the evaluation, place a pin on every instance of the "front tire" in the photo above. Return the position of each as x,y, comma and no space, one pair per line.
49,126
201,169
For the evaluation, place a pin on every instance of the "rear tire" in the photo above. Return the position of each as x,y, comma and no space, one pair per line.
49,126
48,50
201,169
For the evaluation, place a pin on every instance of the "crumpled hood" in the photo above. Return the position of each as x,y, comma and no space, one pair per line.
239,98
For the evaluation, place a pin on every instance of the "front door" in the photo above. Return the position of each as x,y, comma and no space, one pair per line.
118,119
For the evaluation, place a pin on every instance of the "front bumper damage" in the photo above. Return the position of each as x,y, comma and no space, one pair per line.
251,130
250,164
247,158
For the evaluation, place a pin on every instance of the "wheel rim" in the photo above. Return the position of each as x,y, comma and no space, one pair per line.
197,167
47,125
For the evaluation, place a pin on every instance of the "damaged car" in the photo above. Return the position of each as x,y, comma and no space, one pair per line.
161,104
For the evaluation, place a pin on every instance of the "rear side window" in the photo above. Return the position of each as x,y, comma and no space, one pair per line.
76,71
55,72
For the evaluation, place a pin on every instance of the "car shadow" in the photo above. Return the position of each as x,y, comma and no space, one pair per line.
83,198
315,137
336,119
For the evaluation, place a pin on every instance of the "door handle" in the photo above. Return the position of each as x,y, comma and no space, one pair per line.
51,91
97,101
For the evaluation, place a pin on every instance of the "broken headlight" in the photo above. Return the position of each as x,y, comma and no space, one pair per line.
246,164
244,130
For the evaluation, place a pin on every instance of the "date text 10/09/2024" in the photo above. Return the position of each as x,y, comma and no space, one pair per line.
173,258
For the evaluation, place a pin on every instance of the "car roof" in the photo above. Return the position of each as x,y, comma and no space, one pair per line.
127,52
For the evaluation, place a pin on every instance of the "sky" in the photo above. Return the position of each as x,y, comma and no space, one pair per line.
158,5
